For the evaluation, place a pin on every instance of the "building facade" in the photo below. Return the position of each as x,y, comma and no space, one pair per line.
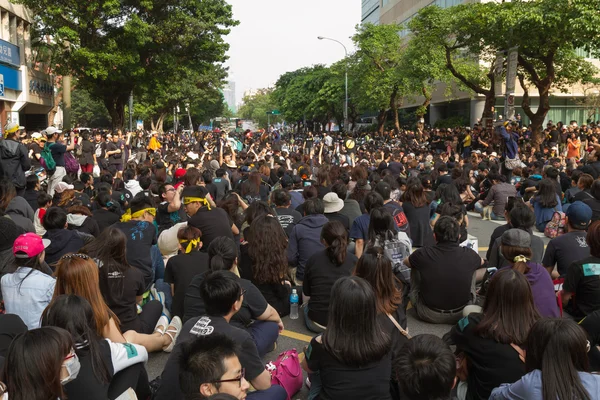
26,95
565,106
370,11
229,95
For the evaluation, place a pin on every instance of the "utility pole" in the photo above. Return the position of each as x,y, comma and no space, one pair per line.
346,76
131,111
66,86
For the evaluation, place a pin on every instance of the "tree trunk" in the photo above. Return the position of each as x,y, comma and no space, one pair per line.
152,125
161,120
116,108
381,118
537,118
394,108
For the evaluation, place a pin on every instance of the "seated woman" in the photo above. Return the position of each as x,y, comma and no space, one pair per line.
80,219
28,290
485,341
38,364
182,268
545,203
78,274
267,253
557,365
107,369
352,358
516,249
322,270
256,315
107,213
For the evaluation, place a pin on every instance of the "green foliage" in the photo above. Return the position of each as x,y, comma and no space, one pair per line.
255,107
152,47
452,122
87,111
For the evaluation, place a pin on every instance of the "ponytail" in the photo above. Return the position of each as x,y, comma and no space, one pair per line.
520,264
217,263
337,250
336,237
222,253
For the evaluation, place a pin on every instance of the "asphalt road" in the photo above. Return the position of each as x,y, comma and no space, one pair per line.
297,336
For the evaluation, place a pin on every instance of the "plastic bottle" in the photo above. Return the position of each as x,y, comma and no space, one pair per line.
294,305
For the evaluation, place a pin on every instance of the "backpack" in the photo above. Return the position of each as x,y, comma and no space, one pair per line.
286,372
71,163
46,159
556,226
397,249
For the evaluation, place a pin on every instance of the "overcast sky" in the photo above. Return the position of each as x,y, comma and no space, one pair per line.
277,36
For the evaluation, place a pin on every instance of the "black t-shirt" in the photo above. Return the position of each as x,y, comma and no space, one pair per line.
595,206
120,292
105,218
213,224
87,386
399,216
166,219
398,339
336,216
340,381
320,273
566,249
490,363
288,218
141,236
583,279
36,150
253,306
445,285
202,326
180,271
58,151
116,158
591,324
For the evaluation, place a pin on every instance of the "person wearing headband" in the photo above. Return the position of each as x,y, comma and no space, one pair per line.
516,248
138,226
14,157
202,214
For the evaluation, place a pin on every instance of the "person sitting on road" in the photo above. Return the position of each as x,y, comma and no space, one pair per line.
510,204
223,297
545,203
498,194
571,246
360,228
441,288
426,369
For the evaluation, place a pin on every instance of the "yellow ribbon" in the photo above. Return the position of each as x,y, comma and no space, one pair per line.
128,215
201,200
192,244
521,258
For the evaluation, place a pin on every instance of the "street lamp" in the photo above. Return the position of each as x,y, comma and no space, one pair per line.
346,102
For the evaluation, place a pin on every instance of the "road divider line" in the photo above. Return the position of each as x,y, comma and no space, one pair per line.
296,335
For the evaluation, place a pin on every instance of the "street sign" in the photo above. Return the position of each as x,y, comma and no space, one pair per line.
1,85
273,112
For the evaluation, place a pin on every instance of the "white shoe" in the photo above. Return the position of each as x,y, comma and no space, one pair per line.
162,325
173,330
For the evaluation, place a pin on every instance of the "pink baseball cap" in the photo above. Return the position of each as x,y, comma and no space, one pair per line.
29,245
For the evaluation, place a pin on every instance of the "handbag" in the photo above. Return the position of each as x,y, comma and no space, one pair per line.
286,372
512,163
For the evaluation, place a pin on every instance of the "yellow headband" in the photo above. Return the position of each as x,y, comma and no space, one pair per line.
192,244
128,215
201,200
521,258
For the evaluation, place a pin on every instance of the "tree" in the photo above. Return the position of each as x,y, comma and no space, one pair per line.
116,47
256,106
377,65
88,111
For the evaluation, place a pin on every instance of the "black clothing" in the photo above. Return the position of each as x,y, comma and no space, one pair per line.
31,197
490,363
87,153
213,224
63,241
120,291
595,206
582,279
253,305
202,326
566,249
336,216
105,218
320,273
498,232
180,271
14,158
141,236
166,219
288,218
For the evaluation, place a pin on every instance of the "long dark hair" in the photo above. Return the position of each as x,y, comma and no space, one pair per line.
547,194
222,253
33,363
354,335
508,310
376,268
381,225
74,314
268,250
336,238
557,347
414,194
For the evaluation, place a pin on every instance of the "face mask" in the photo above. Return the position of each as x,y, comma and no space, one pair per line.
73,366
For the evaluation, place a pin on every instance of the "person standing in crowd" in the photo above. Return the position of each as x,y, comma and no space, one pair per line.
87,157
57,150
14,157
441,289
35,149
572,246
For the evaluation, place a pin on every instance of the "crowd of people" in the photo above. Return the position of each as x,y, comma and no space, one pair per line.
115,245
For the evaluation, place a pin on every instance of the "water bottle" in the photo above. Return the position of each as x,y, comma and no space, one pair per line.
294,305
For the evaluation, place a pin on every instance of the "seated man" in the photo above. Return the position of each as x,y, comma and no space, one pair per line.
223,297
426,369
441,287
498,194
204,215
286,215
170,210
565,249
63,241
582,279
210,365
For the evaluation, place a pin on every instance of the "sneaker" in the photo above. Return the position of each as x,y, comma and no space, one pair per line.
173,330
160,296
162,325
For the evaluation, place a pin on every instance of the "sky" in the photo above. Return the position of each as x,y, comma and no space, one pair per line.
277,36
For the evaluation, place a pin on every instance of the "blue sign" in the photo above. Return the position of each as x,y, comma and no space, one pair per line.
12,77
1,85
9,53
